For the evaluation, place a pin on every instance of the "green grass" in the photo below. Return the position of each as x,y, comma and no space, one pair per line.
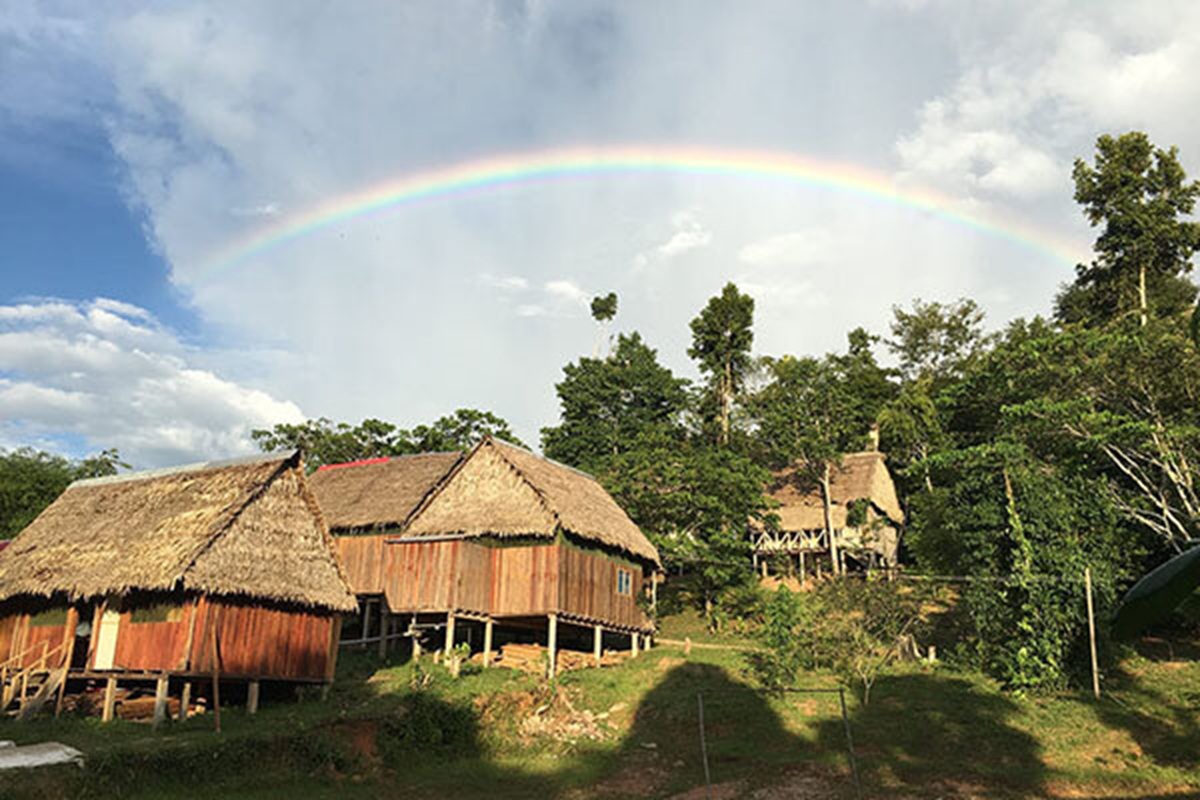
928,732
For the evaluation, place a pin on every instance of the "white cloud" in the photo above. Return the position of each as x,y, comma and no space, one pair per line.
566,290
689,235
106,372
798,248
514,283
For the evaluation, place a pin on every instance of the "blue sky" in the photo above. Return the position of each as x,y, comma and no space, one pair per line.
138,139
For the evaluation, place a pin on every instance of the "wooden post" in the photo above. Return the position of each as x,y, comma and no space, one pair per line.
366,622
597,644
803,569
654,593
385,620
552,645
69,631
633,643
763,565
487,643
449,633
160,700
110,696
416,642
185,700
252,697
213,614
1087,581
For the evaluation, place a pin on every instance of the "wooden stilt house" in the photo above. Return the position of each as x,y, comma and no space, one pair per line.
865,515
503,543
219,571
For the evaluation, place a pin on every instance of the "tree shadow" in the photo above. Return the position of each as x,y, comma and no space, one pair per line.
1166,728
943,733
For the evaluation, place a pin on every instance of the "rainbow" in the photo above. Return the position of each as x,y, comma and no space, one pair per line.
523,168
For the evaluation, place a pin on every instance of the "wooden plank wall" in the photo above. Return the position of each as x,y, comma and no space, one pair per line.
363,560
262,642
588,587
153,646
32,637
473,589
421,576
10,626
524,580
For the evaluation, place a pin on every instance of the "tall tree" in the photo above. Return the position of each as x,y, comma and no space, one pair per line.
935,340
1139,195
606,404
807,415
722,336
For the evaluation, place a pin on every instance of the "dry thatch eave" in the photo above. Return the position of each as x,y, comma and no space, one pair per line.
378,493
503,490
247,528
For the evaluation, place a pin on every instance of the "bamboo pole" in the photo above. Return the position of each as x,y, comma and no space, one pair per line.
1087,582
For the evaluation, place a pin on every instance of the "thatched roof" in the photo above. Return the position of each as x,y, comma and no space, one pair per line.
379,492
860,476
248,527
502,490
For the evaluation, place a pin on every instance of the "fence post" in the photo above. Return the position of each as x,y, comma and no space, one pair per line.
1087,583
850,745
704,748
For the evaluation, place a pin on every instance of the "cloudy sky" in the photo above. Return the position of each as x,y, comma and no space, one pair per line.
139,143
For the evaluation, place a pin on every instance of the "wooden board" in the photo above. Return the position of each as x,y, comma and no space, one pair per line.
263,642
363,560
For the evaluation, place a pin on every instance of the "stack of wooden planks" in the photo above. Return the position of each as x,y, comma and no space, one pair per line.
533,658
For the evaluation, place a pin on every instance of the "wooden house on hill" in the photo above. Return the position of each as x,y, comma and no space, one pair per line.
502,541
865,517
221,571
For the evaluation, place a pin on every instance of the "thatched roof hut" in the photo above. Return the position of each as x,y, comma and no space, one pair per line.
860,476
501,490
244,528
378,493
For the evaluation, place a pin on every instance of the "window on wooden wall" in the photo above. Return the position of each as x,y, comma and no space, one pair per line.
159,612
50,618
624,581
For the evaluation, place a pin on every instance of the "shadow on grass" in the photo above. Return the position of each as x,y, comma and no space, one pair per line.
943,735
1163,723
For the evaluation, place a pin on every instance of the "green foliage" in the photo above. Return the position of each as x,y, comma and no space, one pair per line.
604,308
32,479
851,627
608,404
1024,532
426,725
722,335
324,441
936,340
785,640
1140,197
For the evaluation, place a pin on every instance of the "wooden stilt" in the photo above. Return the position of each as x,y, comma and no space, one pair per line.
597,642
552,645
633,644
487,643
803,569
385,623
252,697
366,622
185,700
160,701
449,633
110,697
654,594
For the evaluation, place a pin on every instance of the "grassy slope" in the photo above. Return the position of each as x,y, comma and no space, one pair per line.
927,733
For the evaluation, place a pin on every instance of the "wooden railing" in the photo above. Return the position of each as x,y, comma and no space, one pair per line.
14,673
